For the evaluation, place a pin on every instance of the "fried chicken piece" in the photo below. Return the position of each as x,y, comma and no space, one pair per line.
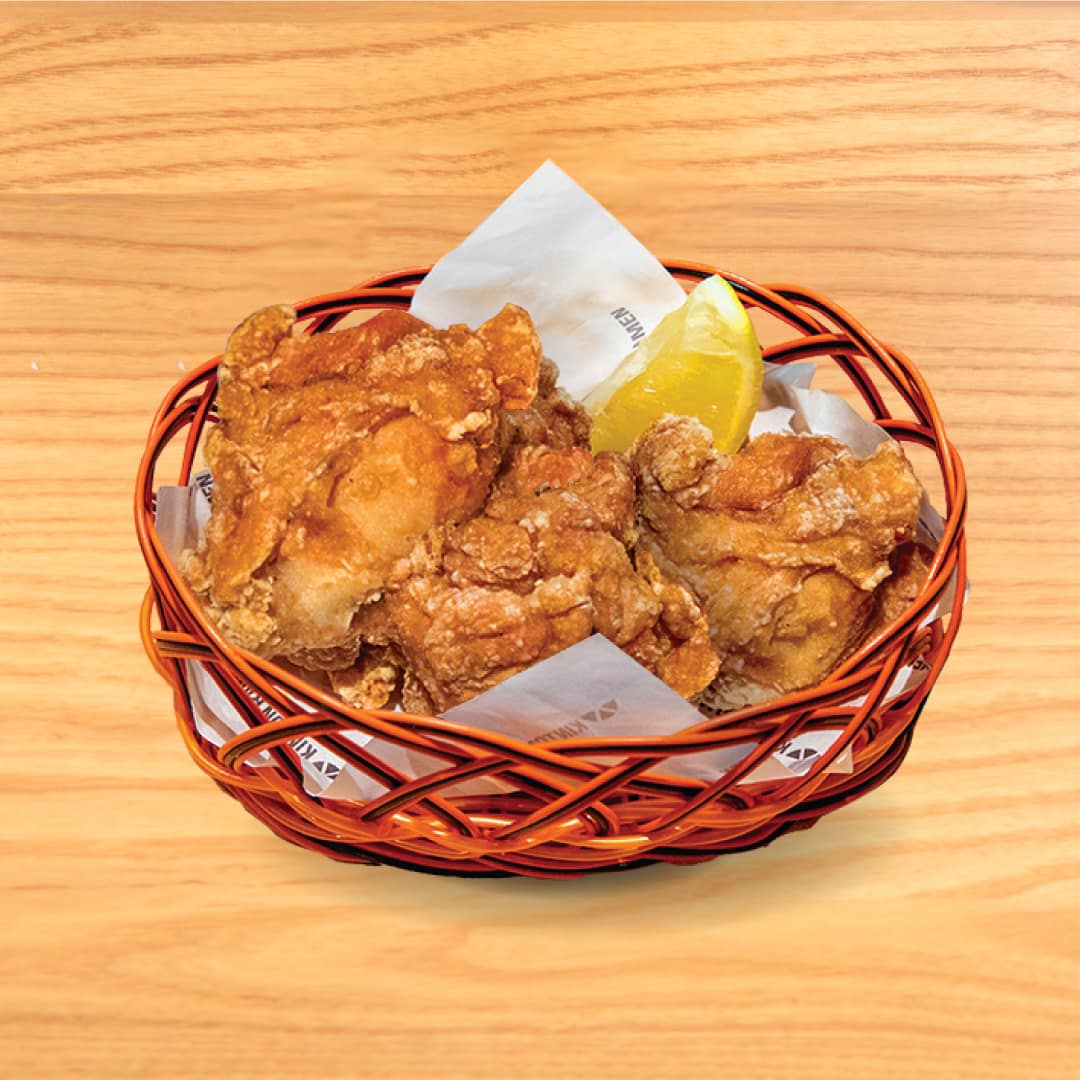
544,566
553,419
910,564
677,646
414,698
372,681
334,454
784,544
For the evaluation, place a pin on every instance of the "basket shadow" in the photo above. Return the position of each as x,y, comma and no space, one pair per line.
833,860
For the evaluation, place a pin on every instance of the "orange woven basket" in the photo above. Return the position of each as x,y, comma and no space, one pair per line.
566,814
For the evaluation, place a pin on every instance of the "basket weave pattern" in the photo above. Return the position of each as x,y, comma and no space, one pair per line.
568,815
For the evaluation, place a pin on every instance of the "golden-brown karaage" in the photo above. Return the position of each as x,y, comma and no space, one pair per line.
334,453
544,565
553,418
783,543
374,681
910,565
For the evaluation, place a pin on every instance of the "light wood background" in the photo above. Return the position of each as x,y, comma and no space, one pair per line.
164,170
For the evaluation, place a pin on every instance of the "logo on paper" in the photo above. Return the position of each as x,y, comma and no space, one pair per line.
795,757
630,323
310,754
799,753
581,724
204,481
604,712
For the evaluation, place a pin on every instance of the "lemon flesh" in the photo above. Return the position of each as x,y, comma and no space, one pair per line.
702,360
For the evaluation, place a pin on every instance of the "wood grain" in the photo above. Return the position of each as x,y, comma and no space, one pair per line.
168,168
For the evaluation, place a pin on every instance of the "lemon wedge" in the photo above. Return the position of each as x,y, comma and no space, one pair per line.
702,360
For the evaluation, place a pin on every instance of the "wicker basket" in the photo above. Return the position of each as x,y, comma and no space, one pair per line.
567,815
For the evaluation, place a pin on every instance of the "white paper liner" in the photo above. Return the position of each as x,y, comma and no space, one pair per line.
547,248
592,289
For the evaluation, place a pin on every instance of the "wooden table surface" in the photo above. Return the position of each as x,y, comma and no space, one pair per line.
165,170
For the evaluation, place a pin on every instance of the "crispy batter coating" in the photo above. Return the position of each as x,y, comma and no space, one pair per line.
553,419
910,564
334,454
545,565
783,543
372,681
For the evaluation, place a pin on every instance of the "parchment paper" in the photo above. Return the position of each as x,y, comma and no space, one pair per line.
591,288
